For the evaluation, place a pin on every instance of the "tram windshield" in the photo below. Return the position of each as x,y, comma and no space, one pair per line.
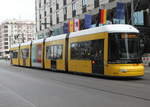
124,48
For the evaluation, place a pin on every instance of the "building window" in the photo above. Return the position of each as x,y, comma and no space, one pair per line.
65,2
45,14
111,0
39,3
6,27
45,24
6,43
65,13
96,3
57,17
84,2
51,20
6,35
6,39
50,10
54,52
40,26
6,47
84,6
74,9
40,16
57,5
44,1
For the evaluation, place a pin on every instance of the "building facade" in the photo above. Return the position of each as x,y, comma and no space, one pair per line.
52,14
14,32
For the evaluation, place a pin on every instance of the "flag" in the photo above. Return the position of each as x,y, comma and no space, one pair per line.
65,28
71,26
120,11
76,25
138,18
103,16
87,21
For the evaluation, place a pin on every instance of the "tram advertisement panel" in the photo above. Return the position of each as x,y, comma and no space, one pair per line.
37,55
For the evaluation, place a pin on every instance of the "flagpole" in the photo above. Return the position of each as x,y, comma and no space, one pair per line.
132,12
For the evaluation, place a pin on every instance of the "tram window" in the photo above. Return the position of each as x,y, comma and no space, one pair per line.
25,53
48,52
59,52
97,49
123,50
54,52
89,50
14,54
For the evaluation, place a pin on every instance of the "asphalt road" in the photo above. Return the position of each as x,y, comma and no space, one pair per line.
24,87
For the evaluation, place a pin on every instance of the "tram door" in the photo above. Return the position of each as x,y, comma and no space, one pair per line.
53,64
98,56
54,57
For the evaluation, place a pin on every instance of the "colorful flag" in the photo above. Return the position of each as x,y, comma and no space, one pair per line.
65,28
71,26
87,21
76,25
120,11
103,16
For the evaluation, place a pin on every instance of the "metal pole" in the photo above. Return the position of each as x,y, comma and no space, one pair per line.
132,12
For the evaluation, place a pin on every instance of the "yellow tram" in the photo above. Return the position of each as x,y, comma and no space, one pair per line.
14,54
110,50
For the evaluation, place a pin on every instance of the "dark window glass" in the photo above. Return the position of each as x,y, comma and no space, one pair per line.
54,52
57,17
6,43
96,3
65,13
124,48
6,47
14,54
65,2
89,50
24,53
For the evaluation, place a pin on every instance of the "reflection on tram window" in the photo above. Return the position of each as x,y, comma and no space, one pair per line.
54,52
24,53
89,50
14,54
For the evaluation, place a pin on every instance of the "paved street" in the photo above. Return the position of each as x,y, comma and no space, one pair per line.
24,87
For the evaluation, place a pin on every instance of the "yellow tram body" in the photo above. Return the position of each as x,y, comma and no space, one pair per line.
126,70
15,54
111,50
53,61
84,66
37,53
25,54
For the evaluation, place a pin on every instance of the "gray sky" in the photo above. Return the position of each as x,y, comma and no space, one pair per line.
17,9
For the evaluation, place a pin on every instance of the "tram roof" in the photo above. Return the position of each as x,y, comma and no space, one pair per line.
114,28
15,46
26,43
37,41
53,38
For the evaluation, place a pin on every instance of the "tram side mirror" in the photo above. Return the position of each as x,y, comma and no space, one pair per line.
141,47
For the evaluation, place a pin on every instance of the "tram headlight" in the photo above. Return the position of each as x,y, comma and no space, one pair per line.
123,70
